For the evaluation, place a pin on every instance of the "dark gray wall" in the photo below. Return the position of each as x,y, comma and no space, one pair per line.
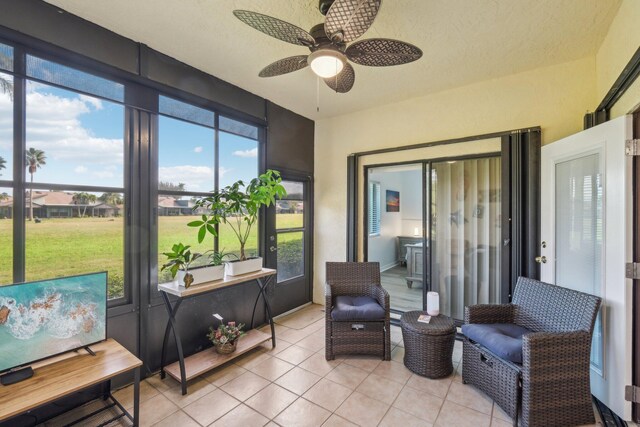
63,37
289,140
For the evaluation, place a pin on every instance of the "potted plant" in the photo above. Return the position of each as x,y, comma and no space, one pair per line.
225,338
238,205
181,258
179,261
213,270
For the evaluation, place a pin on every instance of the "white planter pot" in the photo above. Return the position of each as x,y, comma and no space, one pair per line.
243,267
207,274
202,274
180,278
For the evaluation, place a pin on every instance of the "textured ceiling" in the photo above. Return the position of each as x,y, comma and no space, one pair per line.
463,41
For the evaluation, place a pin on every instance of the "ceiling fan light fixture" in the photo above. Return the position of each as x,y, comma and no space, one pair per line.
327,62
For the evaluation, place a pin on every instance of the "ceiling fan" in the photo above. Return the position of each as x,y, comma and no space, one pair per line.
345,21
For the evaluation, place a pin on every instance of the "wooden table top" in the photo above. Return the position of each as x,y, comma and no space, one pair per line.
173,288
66,374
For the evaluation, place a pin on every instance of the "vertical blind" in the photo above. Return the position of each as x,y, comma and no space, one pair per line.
465,232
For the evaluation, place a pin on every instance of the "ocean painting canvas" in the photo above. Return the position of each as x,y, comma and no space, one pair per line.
48,317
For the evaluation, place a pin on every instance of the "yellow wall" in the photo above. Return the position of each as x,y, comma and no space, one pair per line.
621,42
554,98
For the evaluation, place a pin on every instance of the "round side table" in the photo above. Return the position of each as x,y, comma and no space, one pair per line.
428,347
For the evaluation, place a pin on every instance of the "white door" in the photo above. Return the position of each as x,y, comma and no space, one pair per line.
586,241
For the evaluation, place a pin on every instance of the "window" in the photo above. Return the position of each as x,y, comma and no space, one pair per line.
74,190
374,208
6,168
186,172
238,161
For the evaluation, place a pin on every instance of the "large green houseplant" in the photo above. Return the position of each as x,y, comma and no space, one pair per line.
238,205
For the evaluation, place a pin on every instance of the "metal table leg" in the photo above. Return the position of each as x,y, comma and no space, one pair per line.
167,330
136,398
176,335
263,283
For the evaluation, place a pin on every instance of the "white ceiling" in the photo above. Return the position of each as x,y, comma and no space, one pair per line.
463,41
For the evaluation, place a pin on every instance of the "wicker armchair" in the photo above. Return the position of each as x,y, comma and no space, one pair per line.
356,336
551,386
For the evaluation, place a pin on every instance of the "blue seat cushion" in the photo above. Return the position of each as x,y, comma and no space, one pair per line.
502,339
356,308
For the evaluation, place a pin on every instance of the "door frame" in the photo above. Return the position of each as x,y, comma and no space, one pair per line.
270,230
426,166
635,182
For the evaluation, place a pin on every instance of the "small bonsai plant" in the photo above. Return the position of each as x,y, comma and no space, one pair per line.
239,205
225,337
180,259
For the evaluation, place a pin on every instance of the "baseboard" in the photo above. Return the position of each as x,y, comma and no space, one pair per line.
286,313
388,266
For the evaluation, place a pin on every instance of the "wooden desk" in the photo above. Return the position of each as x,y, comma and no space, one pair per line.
68,373
187,368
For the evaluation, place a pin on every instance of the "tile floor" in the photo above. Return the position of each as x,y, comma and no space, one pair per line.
293,385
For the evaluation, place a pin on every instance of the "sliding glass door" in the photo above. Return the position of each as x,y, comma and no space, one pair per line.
464,212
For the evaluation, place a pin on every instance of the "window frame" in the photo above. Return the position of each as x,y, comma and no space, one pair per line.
19,184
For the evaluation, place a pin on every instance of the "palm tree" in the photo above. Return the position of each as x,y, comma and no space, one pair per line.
6,85
83,199
113,199
35,160
3,163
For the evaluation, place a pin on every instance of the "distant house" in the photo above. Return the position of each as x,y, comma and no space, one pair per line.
170,206
60,204
6,208
289,207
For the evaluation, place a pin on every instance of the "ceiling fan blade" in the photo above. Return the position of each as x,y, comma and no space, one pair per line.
284,66
343,82
350,18
382,52
275,27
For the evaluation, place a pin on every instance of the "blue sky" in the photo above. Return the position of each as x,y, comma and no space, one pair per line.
82,138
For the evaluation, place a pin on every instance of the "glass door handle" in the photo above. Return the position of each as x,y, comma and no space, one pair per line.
273,248
541,259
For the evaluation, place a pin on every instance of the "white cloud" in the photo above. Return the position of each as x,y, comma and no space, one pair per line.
81,169
197,150
53,125
246,153
94,102
196,178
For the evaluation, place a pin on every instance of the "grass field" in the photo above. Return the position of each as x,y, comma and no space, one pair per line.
68,246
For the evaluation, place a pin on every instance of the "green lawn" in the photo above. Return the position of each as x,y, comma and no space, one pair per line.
63,247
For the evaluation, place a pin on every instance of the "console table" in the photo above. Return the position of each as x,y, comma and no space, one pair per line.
414,264
71,372
187,368
402,243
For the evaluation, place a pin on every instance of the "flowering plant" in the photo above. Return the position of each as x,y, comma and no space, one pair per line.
225,333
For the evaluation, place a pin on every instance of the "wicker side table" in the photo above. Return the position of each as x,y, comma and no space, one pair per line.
428,347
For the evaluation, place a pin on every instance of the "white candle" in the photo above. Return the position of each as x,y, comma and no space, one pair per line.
433,303
416,231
